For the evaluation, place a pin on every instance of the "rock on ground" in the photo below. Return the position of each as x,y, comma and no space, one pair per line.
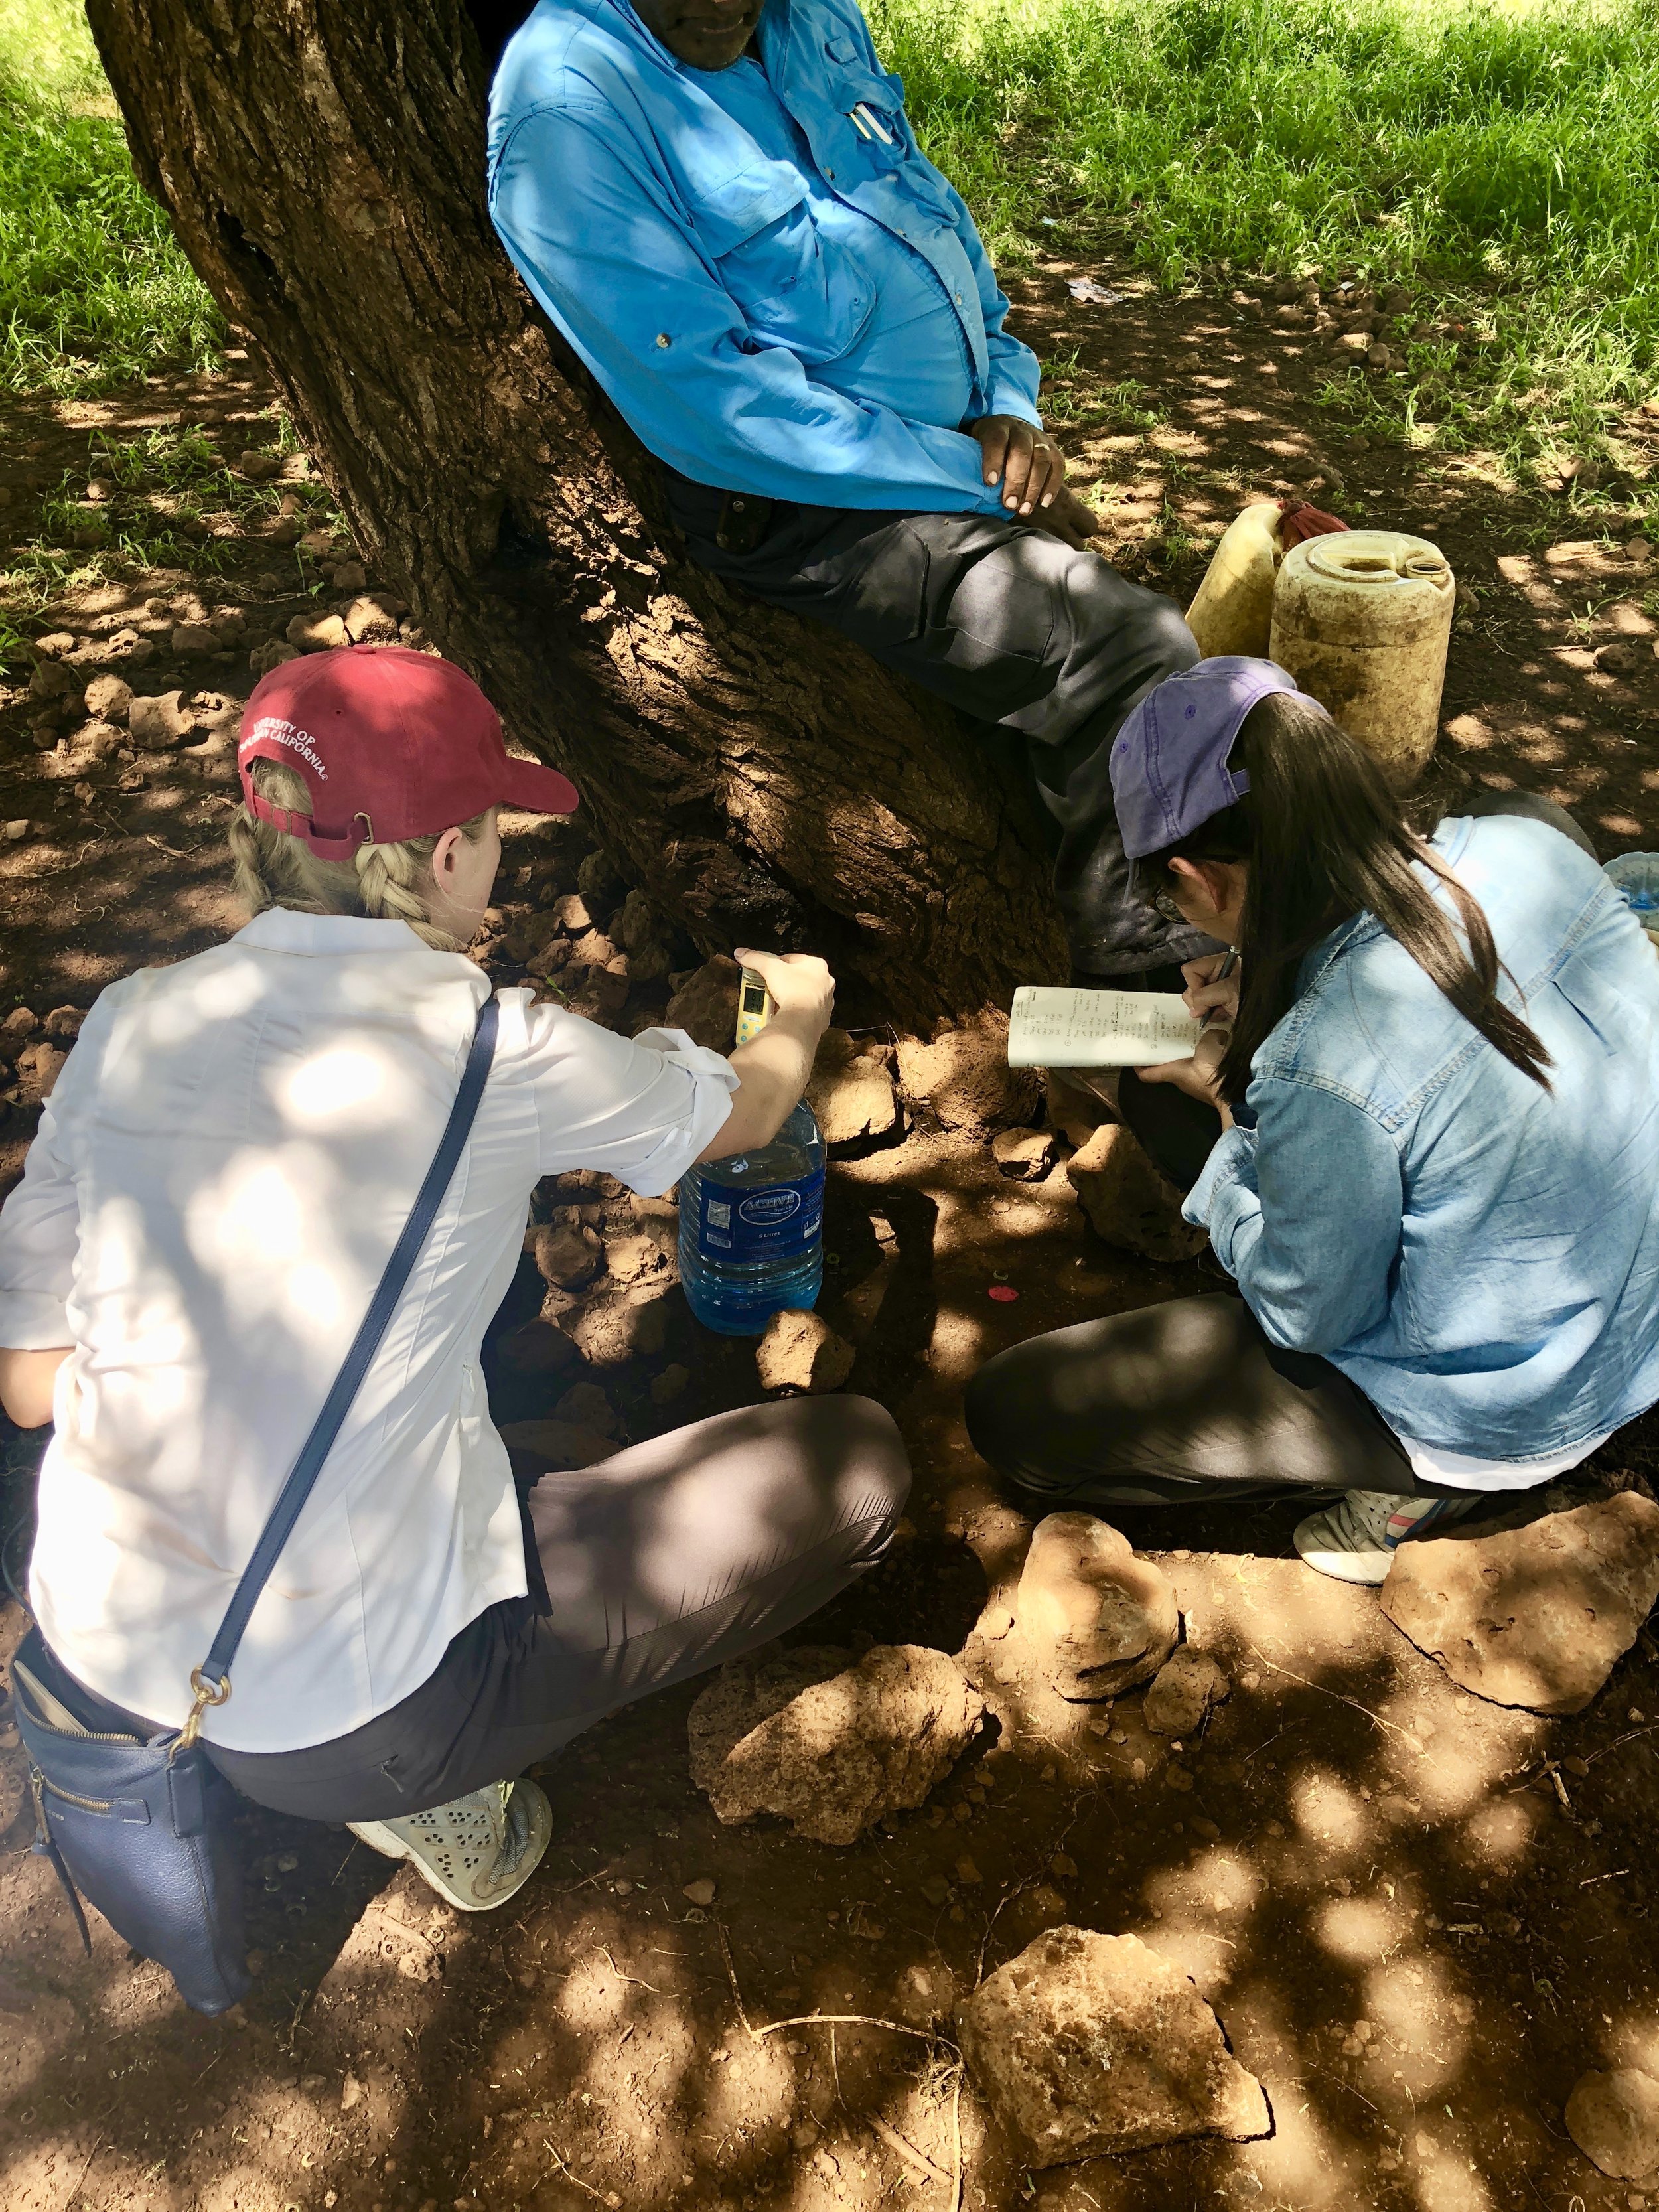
1127,1200
1024,1155
801,1351
610,1330
107,698
558,1444
1087,2044
569,1253
1614,2120
1536,1616
829,1746
851,1092
1088,1612
965,1078
158,720
705,1004
1185,1689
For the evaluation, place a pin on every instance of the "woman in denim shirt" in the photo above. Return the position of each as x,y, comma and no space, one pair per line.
1426,1150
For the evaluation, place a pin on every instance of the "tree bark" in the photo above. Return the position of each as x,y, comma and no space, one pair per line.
324,168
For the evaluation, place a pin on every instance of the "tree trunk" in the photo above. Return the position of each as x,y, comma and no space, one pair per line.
324,168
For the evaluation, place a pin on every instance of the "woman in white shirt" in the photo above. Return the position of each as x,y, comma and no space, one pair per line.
228,1157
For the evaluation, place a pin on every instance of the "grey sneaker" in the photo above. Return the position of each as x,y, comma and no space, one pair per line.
1355,1540
475,1851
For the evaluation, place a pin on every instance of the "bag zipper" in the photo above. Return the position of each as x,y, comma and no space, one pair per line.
45,1845
39,1782
70,1726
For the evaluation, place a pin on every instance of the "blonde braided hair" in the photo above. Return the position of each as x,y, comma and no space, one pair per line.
378,881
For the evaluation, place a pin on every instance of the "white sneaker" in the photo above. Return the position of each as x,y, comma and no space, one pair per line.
475,1851
1355,1540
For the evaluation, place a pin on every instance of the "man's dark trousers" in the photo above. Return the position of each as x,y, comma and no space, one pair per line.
1013,629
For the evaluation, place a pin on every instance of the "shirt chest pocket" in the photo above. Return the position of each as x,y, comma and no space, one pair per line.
876,134
796,286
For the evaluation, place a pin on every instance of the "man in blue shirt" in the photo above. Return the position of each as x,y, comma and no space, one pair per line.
723,207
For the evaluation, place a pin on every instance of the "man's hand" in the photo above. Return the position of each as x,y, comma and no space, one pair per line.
1031,471
1068,519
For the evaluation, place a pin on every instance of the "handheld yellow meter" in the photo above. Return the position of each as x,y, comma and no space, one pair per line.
756,1006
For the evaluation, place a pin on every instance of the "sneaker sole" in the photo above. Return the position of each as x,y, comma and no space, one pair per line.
1364,1568
381,1838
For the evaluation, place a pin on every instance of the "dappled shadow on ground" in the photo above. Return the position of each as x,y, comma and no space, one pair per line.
1175,410
1413,1933
1408,1936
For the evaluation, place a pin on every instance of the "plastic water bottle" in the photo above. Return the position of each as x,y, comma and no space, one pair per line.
751,1230
1635,877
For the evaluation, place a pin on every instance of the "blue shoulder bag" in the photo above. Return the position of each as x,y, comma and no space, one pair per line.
142,1829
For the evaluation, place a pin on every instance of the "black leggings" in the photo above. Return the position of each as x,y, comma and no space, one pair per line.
1177,1404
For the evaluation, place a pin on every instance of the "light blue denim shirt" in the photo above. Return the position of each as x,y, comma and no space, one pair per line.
1479,1256
782,297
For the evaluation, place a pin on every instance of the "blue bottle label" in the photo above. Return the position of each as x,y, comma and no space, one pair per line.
739,1227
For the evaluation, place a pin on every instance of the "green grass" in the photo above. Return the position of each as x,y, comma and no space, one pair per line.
93,292
172,502
1501,161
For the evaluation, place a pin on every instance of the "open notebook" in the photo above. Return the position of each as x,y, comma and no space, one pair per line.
1057,1027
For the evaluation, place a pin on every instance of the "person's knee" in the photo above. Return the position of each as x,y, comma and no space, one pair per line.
850,1446
1148,629
1167,639
1003,1407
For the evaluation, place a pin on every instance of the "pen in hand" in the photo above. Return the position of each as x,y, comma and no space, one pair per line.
1229,962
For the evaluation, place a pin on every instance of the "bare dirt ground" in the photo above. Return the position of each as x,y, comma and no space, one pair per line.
1413,1933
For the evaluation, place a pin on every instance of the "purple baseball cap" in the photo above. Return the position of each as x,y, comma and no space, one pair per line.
1168,761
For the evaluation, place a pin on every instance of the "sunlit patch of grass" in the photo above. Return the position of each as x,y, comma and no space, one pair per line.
1503,164
1074,397
93,290
172,502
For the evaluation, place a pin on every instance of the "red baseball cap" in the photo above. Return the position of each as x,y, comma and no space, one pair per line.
390,743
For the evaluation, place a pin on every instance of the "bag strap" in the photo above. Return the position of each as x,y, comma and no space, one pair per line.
211,1680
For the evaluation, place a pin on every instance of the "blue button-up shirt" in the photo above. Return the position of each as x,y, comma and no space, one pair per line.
1480,1257
778,289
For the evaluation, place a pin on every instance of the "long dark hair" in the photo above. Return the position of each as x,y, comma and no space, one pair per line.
1324,837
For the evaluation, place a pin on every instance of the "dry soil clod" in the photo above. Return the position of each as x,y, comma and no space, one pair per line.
851,1092
159,720
801,1351
1088,2044
964,1076
1127,1200
829,1746
1614,2120
1187,1686
705,1004
1089,1615
1538,1616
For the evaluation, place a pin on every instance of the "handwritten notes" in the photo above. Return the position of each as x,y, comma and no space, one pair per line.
1054,1028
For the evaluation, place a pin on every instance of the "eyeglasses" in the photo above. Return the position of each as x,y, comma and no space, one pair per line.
1164,902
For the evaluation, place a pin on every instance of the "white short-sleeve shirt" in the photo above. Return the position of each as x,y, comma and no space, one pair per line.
230,1153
